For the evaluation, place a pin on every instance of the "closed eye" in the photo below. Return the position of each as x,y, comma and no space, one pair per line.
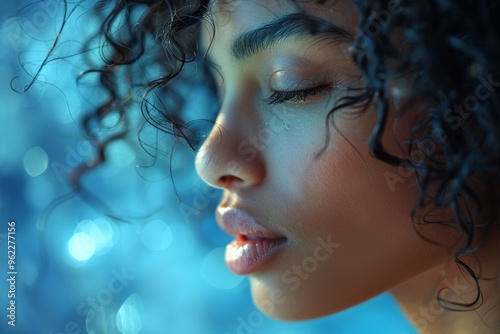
298,96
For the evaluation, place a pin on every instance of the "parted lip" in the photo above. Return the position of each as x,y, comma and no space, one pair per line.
239,223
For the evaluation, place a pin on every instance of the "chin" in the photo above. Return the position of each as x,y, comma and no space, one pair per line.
280,303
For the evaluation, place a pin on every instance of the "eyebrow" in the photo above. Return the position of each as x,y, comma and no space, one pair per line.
283,28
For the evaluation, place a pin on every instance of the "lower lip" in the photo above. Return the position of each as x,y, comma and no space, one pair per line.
244,256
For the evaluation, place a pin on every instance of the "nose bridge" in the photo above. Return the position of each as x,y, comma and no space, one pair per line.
221,160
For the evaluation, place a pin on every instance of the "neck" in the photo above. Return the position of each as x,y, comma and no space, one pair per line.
418,297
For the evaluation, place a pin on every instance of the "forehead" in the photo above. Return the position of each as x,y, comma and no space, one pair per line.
233,17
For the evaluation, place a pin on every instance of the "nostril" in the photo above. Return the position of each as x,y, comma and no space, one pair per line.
226,181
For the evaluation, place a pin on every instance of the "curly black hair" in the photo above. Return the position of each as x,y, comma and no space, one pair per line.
452,50
450,58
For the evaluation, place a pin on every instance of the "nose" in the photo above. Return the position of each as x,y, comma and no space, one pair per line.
227,159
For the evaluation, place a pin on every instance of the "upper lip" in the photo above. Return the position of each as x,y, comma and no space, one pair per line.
239,223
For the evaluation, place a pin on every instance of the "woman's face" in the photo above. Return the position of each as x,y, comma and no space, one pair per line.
319,224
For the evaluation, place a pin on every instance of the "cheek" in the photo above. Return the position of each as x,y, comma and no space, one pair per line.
350,198
342,198
347,196
343,183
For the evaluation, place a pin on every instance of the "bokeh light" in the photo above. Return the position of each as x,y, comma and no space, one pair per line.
81,246
101,322
92,237
101,231
35,161
128,319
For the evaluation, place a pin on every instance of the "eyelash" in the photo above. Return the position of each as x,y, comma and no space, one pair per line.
279,97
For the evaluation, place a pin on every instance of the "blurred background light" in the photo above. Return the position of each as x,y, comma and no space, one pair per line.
215,272
81,246
128,319
156,235
103,321
107,234
35,161
101,231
